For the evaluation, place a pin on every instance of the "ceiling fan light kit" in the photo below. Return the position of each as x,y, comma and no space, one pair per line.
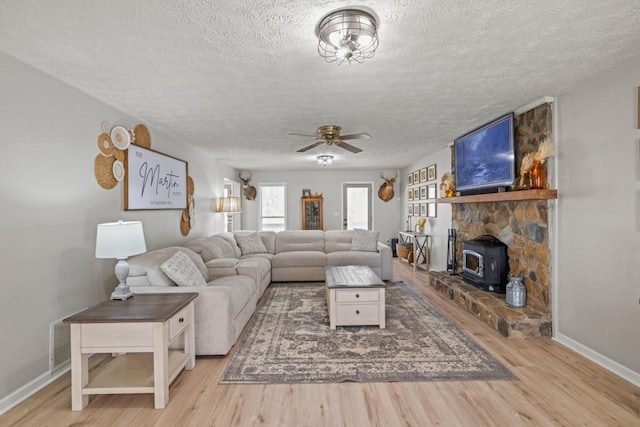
347,35
325,159
330,135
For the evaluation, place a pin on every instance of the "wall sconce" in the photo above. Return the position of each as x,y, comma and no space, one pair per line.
229,205
120,240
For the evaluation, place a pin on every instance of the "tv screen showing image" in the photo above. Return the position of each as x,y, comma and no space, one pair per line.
484,158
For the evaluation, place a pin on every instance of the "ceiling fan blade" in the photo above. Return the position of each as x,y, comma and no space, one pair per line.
301,134
349,147
355,136
309,147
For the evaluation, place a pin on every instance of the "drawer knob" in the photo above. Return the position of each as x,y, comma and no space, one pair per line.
357,311
181,319
357,295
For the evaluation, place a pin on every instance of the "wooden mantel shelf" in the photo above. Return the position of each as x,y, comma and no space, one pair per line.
503,197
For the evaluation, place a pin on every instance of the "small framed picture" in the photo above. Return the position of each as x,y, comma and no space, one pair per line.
431,172
410,209
432,210
423,209
431,191
423,175
423,192
410,194
410,179
306,193
416,177
416,209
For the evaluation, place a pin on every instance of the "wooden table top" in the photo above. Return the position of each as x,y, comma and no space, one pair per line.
352,276
138,308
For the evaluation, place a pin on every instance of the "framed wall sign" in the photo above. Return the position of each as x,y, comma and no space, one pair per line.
154,180
431,191
423,192
431,172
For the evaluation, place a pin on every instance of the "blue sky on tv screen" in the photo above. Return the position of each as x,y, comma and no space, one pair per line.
485,157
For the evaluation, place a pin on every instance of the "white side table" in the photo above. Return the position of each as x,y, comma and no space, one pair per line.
142,328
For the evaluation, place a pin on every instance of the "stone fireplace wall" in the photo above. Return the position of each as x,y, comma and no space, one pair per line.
522,225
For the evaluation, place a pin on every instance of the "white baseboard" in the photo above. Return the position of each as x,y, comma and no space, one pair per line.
605,362
30,388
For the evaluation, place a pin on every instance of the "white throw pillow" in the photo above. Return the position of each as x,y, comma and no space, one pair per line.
250,244
181,269
364,240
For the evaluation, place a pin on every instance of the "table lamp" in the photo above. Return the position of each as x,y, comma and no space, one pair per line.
120,240
229,205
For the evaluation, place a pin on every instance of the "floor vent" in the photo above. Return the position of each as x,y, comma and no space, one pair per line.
59,346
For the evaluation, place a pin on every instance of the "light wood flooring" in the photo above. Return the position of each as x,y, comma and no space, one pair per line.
556,387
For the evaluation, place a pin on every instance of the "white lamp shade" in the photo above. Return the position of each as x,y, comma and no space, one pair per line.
229,204
120,239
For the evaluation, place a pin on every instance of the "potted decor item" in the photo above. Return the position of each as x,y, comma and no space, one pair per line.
420,225
516,292
447,185
524,180
538,170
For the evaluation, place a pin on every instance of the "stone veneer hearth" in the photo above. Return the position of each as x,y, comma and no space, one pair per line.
524,227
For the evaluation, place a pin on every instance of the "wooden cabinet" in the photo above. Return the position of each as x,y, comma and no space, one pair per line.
312,213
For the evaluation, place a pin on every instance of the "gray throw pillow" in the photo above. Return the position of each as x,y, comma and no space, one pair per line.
250,244
182,270
364,240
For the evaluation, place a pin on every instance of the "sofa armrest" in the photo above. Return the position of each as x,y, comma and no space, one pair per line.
213,312
386,264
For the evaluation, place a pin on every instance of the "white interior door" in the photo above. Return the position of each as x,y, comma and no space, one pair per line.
357,202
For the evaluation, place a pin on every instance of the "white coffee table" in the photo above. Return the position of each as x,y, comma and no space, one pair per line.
355,296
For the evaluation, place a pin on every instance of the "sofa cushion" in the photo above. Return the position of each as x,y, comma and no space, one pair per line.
250,244
337,240
212,247
300,240
147,265
371,259
364,240
299,259
182,270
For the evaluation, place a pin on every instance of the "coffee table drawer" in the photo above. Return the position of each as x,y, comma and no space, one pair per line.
352,295
358,314
178,322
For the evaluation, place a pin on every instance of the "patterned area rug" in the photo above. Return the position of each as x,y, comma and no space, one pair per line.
289,341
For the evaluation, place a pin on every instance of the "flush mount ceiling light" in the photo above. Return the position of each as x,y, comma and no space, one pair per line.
347,35
325,159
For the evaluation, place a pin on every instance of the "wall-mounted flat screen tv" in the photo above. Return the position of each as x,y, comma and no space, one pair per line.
484,157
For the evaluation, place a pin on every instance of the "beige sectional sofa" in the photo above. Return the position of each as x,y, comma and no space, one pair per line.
231,271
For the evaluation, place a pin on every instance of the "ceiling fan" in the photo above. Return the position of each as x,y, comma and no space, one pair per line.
330,134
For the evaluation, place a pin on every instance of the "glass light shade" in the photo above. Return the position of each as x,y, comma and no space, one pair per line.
120,239
348,34
325,159
229,204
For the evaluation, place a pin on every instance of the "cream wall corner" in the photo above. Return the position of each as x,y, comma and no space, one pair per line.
51,204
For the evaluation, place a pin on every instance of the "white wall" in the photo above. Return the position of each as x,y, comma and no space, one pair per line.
598,260
436,227
51,204
328,182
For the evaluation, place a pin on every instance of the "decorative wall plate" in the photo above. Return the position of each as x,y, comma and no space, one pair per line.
121,137
103,168
118,170
142,136
106,127
118,154
105,145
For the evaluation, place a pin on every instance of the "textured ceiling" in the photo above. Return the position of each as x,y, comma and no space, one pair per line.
234,77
